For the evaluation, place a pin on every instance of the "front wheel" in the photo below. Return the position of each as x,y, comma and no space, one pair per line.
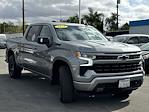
66,85
14,69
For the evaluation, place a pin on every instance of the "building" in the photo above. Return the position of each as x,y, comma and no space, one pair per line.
139,27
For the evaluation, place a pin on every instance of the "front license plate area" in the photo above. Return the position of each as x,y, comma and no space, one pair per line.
124,83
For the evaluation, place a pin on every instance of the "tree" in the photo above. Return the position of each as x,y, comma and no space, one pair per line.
10,27
125,26
73,19
94,19
111,22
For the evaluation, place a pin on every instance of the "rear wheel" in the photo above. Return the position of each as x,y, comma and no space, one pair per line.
66,85
14,69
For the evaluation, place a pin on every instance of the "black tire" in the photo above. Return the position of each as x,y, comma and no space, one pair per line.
66,85
14,69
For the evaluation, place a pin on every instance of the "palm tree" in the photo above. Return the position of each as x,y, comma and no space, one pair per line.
94,19
111,22
73,19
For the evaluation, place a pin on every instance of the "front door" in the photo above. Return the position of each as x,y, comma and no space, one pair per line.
36,56
41,54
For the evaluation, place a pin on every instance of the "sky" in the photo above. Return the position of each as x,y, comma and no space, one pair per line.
49,10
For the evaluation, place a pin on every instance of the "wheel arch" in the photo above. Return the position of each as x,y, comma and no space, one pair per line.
55,70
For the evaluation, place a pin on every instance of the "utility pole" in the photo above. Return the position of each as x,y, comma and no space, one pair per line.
118,2
79,11
4,25
23,16
60,15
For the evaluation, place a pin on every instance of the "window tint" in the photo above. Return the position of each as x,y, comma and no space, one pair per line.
144,39
45,32
133,40
33,33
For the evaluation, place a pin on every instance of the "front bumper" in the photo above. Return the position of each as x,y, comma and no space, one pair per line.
91,86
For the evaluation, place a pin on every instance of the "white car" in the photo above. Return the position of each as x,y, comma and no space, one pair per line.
110,38
3,41
135,39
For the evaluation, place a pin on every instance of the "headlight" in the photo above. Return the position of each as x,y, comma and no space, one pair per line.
146,56
83,55
87,58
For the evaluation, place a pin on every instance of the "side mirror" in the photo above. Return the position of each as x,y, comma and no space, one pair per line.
44,40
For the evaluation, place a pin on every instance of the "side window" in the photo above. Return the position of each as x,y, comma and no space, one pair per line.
144,39
45,32
133,40
33,33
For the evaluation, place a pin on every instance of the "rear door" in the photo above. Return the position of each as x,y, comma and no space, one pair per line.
36,56
29,47
42,54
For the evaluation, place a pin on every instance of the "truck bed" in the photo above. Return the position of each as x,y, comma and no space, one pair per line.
13,42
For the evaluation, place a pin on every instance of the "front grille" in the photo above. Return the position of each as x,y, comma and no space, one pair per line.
134,56
132,64
112,68
110,57
116,68
106,57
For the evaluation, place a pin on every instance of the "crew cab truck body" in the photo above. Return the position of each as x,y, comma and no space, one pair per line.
78,57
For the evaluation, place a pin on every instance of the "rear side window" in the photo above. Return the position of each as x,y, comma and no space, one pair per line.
33,33
144,39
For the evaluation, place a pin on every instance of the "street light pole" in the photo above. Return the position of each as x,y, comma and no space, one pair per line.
79,11
23,16
117,17
118,2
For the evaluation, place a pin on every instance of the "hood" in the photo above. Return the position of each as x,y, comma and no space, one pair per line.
145,52
102,46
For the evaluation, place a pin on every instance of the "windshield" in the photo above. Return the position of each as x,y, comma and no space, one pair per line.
69,33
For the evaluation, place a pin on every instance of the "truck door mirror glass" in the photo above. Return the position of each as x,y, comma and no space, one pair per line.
44,40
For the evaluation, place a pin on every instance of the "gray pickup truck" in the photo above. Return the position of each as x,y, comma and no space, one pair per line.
78,58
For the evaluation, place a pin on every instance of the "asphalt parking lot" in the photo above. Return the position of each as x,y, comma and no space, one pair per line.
34,93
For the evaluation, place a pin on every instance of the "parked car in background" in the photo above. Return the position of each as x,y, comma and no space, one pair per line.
2,41
135,39
145,54
110,38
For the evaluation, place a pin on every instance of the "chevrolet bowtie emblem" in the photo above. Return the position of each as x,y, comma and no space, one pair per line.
123,57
